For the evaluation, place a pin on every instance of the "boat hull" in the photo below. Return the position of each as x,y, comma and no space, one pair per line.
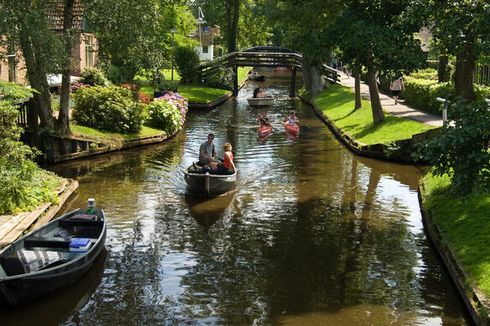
264,131
260,101
292,129
19,288
209,185
257,78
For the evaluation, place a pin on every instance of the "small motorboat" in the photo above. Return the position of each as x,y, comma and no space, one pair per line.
53,256
260,101
292,128
253,77
208,184
264,130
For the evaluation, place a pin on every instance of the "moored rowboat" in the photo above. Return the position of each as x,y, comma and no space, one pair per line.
51,257
209,184
260,101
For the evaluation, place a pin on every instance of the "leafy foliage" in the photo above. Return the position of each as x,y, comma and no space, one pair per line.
187,61
461,149
164,115
12,91
108,108
94,76
23,185
135,35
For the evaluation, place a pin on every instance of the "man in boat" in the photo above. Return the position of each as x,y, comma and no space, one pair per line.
259,92
207,152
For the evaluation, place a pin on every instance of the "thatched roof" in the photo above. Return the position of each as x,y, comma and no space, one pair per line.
55,13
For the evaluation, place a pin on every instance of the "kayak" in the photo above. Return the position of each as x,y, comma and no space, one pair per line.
264,130
292,128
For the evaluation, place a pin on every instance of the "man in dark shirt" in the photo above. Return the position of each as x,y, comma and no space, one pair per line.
207,152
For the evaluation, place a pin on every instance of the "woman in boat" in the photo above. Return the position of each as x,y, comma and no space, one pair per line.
228,166
292,118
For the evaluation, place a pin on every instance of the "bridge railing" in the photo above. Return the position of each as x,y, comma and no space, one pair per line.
330,73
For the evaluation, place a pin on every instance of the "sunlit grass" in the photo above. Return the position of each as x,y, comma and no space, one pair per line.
465,224
337,103
79,130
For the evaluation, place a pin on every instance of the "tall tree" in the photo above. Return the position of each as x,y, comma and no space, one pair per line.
379,35
136,34
26,24
463,28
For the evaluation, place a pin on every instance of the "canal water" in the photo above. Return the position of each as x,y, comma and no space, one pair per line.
313,235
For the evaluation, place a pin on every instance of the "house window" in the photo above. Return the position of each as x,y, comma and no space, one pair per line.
204,49
12,69
89,51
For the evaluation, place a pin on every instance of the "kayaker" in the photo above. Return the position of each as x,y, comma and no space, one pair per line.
292,118
263,120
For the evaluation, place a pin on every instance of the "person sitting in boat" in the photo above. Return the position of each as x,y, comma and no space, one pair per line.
292,118
259,92
263,120
207,154
228,166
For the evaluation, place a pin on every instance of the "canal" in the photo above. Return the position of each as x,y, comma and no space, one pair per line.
313,235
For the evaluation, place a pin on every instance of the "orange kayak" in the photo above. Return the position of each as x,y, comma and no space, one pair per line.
264,130
291,128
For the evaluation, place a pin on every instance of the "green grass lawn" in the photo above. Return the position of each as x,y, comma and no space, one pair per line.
337,103
201,94
146,131
465,225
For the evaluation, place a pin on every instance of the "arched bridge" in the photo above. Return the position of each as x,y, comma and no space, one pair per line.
264,56
259,56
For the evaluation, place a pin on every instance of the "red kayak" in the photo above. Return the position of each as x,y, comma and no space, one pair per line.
292,128
264,130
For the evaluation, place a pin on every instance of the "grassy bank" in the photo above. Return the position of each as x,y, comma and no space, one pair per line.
465,226
337,103
198,93
79,130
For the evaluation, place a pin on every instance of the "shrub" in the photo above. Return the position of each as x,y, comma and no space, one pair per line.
179,101
23,185
12,91
221,78
94,76
187,61
163,115
421,94
461,148
108,108
428,73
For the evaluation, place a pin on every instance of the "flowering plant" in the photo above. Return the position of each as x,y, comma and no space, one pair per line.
77,85
177,100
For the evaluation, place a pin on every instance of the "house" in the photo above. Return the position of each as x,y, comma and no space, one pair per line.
205,36
84,54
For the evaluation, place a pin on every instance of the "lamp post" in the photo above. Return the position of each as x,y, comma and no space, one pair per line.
444,110
173,31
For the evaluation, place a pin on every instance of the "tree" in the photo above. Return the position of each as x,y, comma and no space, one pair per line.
27,28
135,35
463,28
378,35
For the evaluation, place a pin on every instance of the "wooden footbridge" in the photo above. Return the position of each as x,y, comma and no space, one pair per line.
259,56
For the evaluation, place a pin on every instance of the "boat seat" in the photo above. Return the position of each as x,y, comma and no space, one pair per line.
52,242
72,223
25,261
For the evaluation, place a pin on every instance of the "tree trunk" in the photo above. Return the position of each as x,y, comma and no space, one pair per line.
357,87
63,122
36,73
312,78
442,69
233,27
378,115
465,67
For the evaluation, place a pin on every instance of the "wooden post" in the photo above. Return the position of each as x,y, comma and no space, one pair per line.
292,92
235,80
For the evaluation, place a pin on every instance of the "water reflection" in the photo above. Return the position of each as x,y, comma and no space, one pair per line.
312,234
207,211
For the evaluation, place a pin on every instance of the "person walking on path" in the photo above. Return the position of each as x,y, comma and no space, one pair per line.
396,87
